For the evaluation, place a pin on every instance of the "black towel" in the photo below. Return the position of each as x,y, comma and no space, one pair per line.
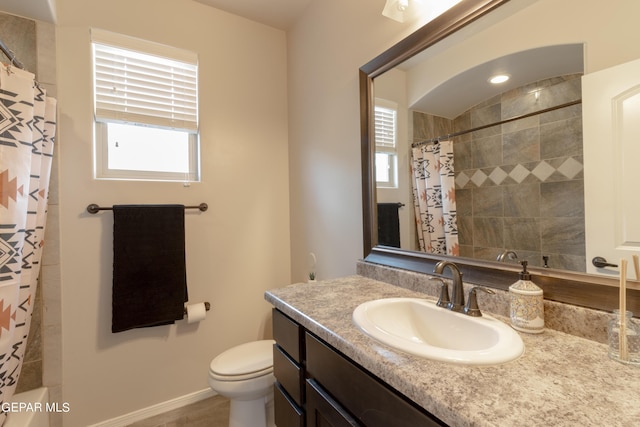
149,271
388,224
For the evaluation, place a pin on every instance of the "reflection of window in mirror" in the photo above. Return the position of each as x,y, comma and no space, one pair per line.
386,125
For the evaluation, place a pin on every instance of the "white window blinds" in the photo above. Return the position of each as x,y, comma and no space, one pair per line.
385,126
157,88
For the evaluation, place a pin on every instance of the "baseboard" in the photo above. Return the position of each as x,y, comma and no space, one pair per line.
160,408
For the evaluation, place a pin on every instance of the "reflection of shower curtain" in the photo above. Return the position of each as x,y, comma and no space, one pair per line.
27,128
434,198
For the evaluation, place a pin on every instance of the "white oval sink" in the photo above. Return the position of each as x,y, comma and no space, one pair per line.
420,327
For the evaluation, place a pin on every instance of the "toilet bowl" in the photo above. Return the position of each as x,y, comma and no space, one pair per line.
244,375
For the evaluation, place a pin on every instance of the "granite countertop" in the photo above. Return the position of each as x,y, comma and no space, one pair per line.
561,380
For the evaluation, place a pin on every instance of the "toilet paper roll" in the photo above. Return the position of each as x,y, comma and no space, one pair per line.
196,312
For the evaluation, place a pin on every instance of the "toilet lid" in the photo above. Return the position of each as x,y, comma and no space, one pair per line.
248,360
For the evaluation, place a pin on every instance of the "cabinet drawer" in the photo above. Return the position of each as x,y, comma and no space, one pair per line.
288,374
289,335
287,414
322,410
371,402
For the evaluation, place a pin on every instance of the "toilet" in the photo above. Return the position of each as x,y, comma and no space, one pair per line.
244,374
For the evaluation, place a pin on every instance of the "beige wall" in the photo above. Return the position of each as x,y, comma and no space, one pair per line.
326,48
235,251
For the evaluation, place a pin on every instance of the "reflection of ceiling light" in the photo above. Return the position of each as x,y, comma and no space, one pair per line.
500,78
414,10
395,9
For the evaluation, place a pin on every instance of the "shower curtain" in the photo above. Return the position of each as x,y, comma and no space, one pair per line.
434,198
27,129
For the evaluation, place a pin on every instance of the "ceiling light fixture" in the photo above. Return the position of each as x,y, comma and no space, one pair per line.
499,78
395,9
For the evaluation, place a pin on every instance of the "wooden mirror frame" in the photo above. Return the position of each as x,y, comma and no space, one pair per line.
580,289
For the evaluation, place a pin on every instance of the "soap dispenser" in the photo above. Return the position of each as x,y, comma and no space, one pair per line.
526,304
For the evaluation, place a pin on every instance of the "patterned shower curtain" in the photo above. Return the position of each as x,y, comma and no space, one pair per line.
434,198
27,129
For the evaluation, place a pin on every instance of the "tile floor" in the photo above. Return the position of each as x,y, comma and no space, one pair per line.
211,412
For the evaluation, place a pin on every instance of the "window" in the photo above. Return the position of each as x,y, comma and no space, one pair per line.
386,119
145,110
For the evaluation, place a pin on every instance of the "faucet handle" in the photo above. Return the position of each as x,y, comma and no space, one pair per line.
444,299
472,308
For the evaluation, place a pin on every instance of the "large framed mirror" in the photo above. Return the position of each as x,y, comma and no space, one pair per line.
443,51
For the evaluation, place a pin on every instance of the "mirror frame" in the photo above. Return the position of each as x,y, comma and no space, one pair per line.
580,289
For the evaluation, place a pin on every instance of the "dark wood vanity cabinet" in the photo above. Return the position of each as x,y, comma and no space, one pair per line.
319,387
288,368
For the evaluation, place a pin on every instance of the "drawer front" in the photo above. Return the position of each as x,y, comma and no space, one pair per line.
323,411
370,401
288,374
287,413
288,335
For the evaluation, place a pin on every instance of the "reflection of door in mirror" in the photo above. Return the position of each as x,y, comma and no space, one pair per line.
612,144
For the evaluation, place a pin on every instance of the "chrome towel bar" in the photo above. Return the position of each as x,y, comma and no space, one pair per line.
94,209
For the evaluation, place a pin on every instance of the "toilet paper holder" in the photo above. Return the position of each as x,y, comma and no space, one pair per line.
207,307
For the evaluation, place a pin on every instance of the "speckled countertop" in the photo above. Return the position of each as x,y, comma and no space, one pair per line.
561,380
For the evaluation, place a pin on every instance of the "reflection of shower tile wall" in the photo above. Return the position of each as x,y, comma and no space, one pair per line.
519,186
426,126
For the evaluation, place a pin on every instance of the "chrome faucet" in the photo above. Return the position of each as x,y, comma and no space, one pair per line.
457,293
507,254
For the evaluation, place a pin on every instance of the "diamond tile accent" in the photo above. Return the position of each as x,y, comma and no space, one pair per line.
462,179
497,176
479,178
519,173
570,168
543,170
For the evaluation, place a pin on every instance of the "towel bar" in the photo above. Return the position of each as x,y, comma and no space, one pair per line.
94,209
